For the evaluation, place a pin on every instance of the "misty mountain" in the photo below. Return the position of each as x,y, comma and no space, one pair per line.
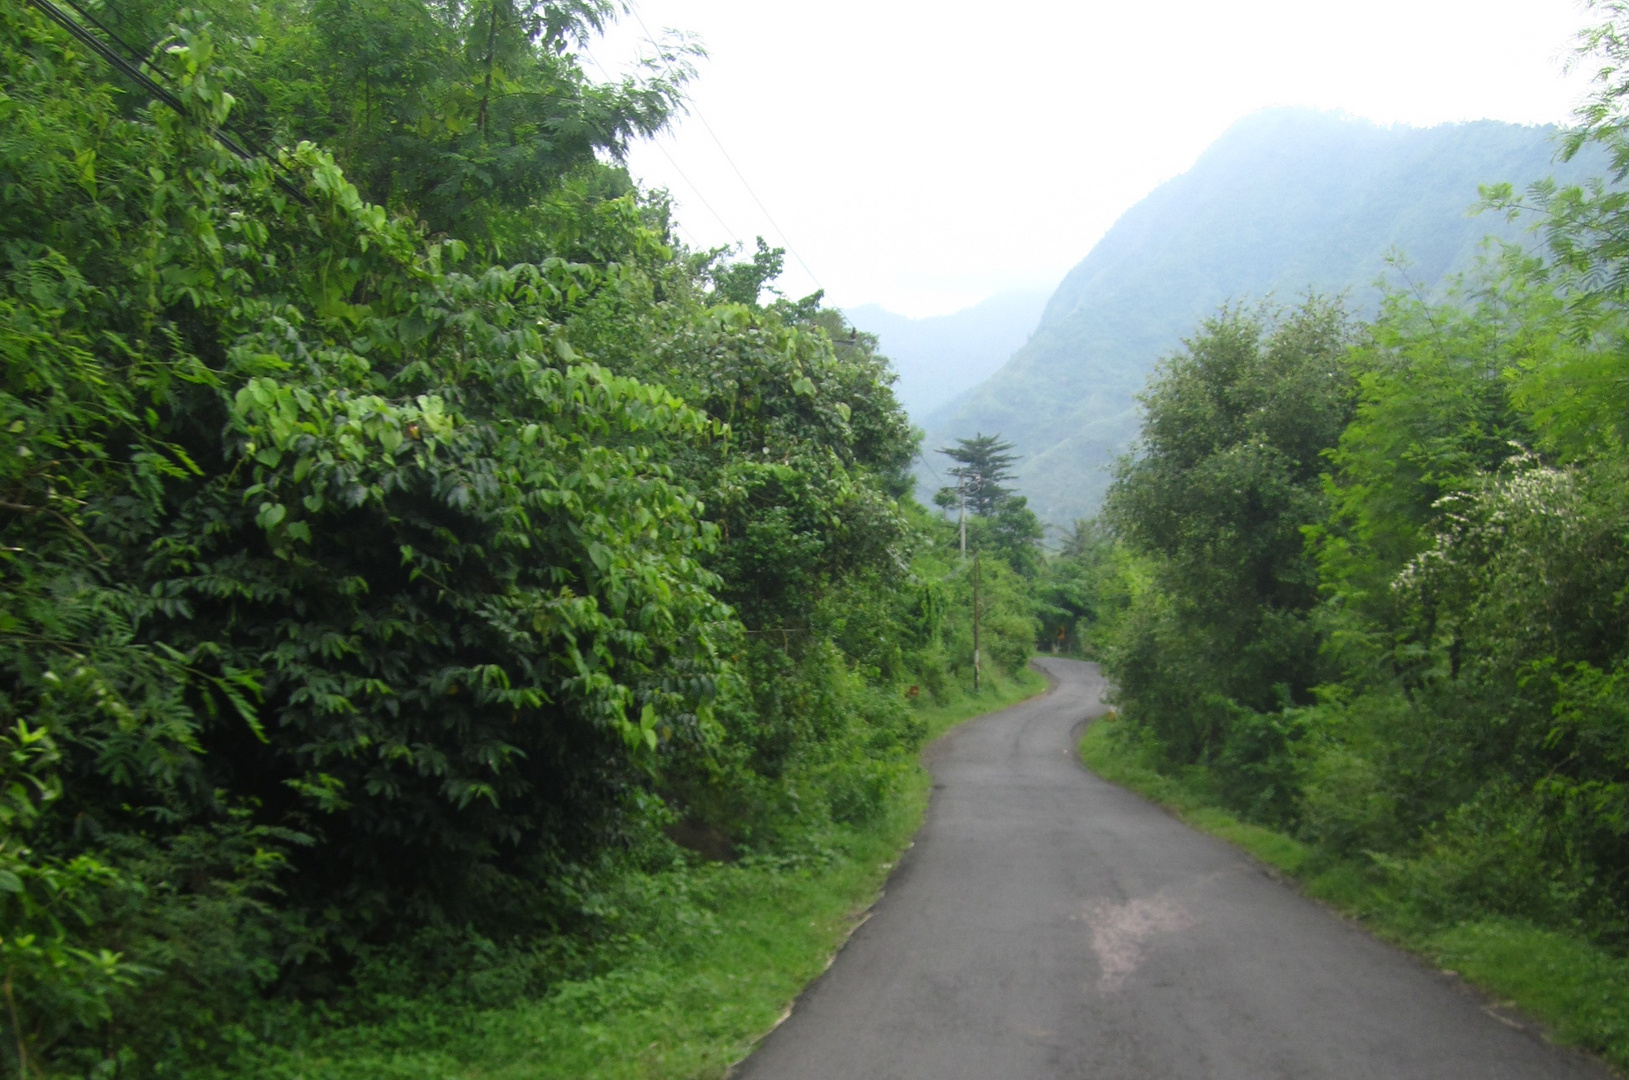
1284,201
941,356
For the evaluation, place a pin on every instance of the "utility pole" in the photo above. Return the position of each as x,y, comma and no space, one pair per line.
975,622
961,519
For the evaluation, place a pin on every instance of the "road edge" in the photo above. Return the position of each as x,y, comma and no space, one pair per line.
1508,1012
923,790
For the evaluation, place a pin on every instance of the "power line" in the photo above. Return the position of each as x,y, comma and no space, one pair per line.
117,40
690,237
134,73
108,53
693,186
119,17
720,144
677,224
923,458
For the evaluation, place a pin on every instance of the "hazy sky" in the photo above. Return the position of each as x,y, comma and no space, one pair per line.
927,155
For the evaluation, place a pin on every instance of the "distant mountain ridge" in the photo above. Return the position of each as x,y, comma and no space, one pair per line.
1284,201
941,356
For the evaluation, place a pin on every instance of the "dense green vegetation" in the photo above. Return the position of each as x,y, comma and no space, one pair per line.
1285,200
693,963
1370,605
416,563
446,624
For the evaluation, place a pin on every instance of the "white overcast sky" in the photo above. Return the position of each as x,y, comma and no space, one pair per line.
927,155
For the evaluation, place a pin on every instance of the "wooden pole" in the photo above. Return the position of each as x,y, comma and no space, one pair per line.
975,622
961,518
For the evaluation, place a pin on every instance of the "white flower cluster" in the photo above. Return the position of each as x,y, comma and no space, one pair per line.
1513,514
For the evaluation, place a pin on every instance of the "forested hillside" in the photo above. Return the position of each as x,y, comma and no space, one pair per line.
1364,583
407,542
940,357
1288,200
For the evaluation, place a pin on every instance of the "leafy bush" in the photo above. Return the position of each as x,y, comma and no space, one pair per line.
364,610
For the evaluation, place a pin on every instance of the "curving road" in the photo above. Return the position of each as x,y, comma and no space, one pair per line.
1048,924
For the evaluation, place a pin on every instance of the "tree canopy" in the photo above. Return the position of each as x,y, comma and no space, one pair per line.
1002,521
983,468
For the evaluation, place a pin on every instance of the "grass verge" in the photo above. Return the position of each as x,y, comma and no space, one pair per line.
1578,991
996,693
716,954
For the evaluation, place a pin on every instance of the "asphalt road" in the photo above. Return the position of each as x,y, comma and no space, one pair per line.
1049,924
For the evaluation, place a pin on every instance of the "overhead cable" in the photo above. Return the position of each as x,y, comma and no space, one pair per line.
91,18
693,186
133,72
720,144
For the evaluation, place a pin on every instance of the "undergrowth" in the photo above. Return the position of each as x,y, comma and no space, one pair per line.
997,692
707,958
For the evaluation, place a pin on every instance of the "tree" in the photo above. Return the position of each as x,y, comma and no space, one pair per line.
984,465
744,282
378,575
1083,590
1227,473
462,116
1002,522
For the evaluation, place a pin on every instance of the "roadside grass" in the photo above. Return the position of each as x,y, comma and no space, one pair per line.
1577,990
996,693
1122,765
722,950
714,956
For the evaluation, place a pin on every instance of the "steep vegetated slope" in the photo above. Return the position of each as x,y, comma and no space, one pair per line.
941,357
1287,200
